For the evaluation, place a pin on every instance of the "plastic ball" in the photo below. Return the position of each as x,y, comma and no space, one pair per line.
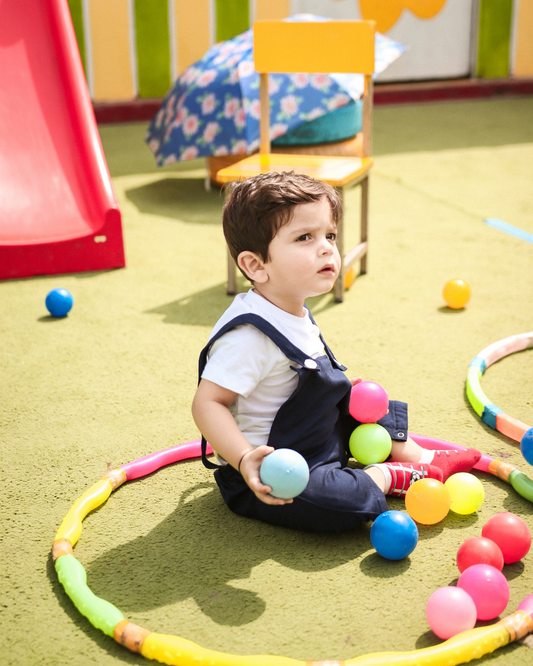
466,493
370,443
394,535
526,446
450,611
527,605
479,550
369,402
488,587
349,277
456,293
59,302
286,472
511,534
427,501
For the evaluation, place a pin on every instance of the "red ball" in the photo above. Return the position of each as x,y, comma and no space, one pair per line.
511,534
479,550
369,402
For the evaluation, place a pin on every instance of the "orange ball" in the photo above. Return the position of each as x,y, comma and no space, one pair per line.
349,277
427,501
456,293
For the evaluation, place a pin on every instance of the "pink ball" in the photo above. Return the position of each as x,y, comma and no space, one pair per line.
488,587
511,534
369,402
449,611
479,550
527,605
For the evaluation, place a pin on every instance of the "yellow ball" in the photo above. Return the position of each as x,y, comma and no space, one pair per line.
456,293
349,277
466,493
427,501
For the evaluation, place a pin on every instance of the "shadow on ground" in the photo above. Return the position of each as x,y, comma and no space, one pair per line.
171,563
184,199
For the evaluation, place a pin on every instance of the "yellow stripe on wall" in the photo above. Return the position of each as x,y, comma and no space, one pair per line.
193,31
271,10
523,65
110,38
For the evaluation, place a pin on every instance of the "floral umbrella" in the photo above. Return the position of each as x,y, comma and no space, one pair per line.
213,107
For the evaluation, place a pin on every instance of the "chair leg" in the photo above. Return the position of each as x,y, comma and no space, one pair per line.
364,223
339,282
232,275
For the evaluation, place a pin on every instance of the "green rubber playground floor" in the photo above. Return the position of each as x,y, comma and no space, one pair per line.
114,380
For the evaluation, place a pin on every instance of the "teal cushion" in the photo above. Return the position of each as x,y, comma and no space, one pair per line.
339,125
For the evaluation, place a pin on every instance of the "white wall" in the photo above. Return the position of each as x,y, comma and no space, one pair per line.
438,48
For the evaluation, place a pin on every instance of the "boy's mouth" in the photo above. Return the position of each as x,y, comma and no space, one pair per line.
329,269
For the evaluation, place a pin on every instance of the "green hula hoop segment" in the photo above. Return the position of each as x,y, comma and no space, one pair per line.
176,651
490,414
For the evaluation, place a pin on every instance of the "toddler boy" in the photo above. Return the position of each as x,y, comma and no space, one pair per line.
268,380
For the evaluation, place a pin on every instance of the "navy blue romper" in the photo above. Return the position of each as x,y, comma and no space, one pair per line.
315,422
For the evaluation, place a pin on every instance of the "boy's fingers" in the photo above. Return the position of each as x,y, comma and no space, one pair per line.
270,499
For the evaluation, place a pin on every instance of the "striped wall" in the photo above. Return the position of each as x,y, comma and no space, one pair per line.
136,48
522,65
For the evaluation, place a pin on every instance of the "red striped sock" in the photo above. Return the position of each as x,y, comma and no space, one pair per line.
402,475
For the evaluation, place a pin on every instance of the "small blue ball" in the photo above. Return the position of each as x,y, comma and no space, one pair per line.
394,535
286,472
526,445
59,302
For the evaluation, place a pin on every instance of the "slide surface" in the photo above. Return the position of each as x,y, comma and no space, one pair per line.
58,209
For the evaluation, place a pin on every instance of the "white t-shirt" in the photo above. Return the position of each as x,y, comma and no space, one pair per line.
247,362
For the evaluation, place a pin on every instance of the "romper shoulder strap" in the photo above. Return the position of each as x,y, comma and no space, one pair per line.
328,350
287,347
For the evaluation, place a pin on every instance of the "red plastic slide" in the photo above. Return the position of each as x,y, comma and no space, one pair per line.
58,209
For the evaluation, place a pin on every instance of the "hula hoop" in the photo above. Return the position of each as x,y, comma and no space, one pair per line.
503,470
176,651
493,416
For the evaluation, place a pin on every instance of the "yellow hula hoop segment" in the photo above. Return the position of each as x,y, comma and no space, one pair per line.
176,651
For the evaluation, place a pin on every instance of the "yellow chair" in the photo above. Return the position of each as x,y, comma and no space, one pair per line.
319,48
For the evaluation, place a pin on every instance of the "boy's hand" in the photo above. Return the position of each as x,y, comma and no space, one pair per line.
250,466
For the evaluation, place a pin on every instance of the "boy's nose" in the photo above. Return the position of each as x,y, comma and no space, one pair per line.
326,246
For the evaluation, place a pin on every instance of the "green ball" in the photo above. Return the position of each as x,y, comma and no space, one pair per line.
370,443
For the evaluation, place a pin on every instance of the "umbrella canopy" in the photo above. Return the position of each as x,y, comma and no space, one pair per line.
213,107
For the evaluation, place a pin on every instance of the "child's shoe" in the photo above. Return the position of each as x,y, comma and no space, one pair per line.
451,461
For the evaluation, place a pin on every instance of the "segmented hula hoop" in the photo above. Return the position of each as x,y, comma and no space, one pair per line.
493,416
176,651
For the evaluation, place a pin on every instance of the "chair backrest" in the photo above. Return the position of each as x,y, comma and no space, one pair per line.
319,47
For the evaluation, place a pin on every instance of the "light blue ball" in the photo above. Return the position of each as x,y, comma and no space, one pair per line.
59,302
526,446
394,535
286,472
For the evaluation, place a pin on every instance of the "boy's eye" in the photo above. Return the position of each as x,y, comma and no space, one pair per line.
332,236
304,237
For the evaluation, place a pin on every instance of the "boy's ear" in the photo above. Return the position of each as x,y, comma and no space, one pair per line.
253,266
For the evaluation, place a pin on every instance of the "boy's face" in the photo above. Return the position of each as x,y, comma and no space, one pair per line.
303,257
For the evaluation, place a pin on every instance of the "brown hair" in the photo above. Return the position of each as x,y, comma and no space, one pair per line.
256,208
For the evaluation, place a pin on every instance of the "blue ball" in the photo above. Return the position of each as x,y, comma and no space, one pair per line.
526,445
394,535
286,472
59,302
